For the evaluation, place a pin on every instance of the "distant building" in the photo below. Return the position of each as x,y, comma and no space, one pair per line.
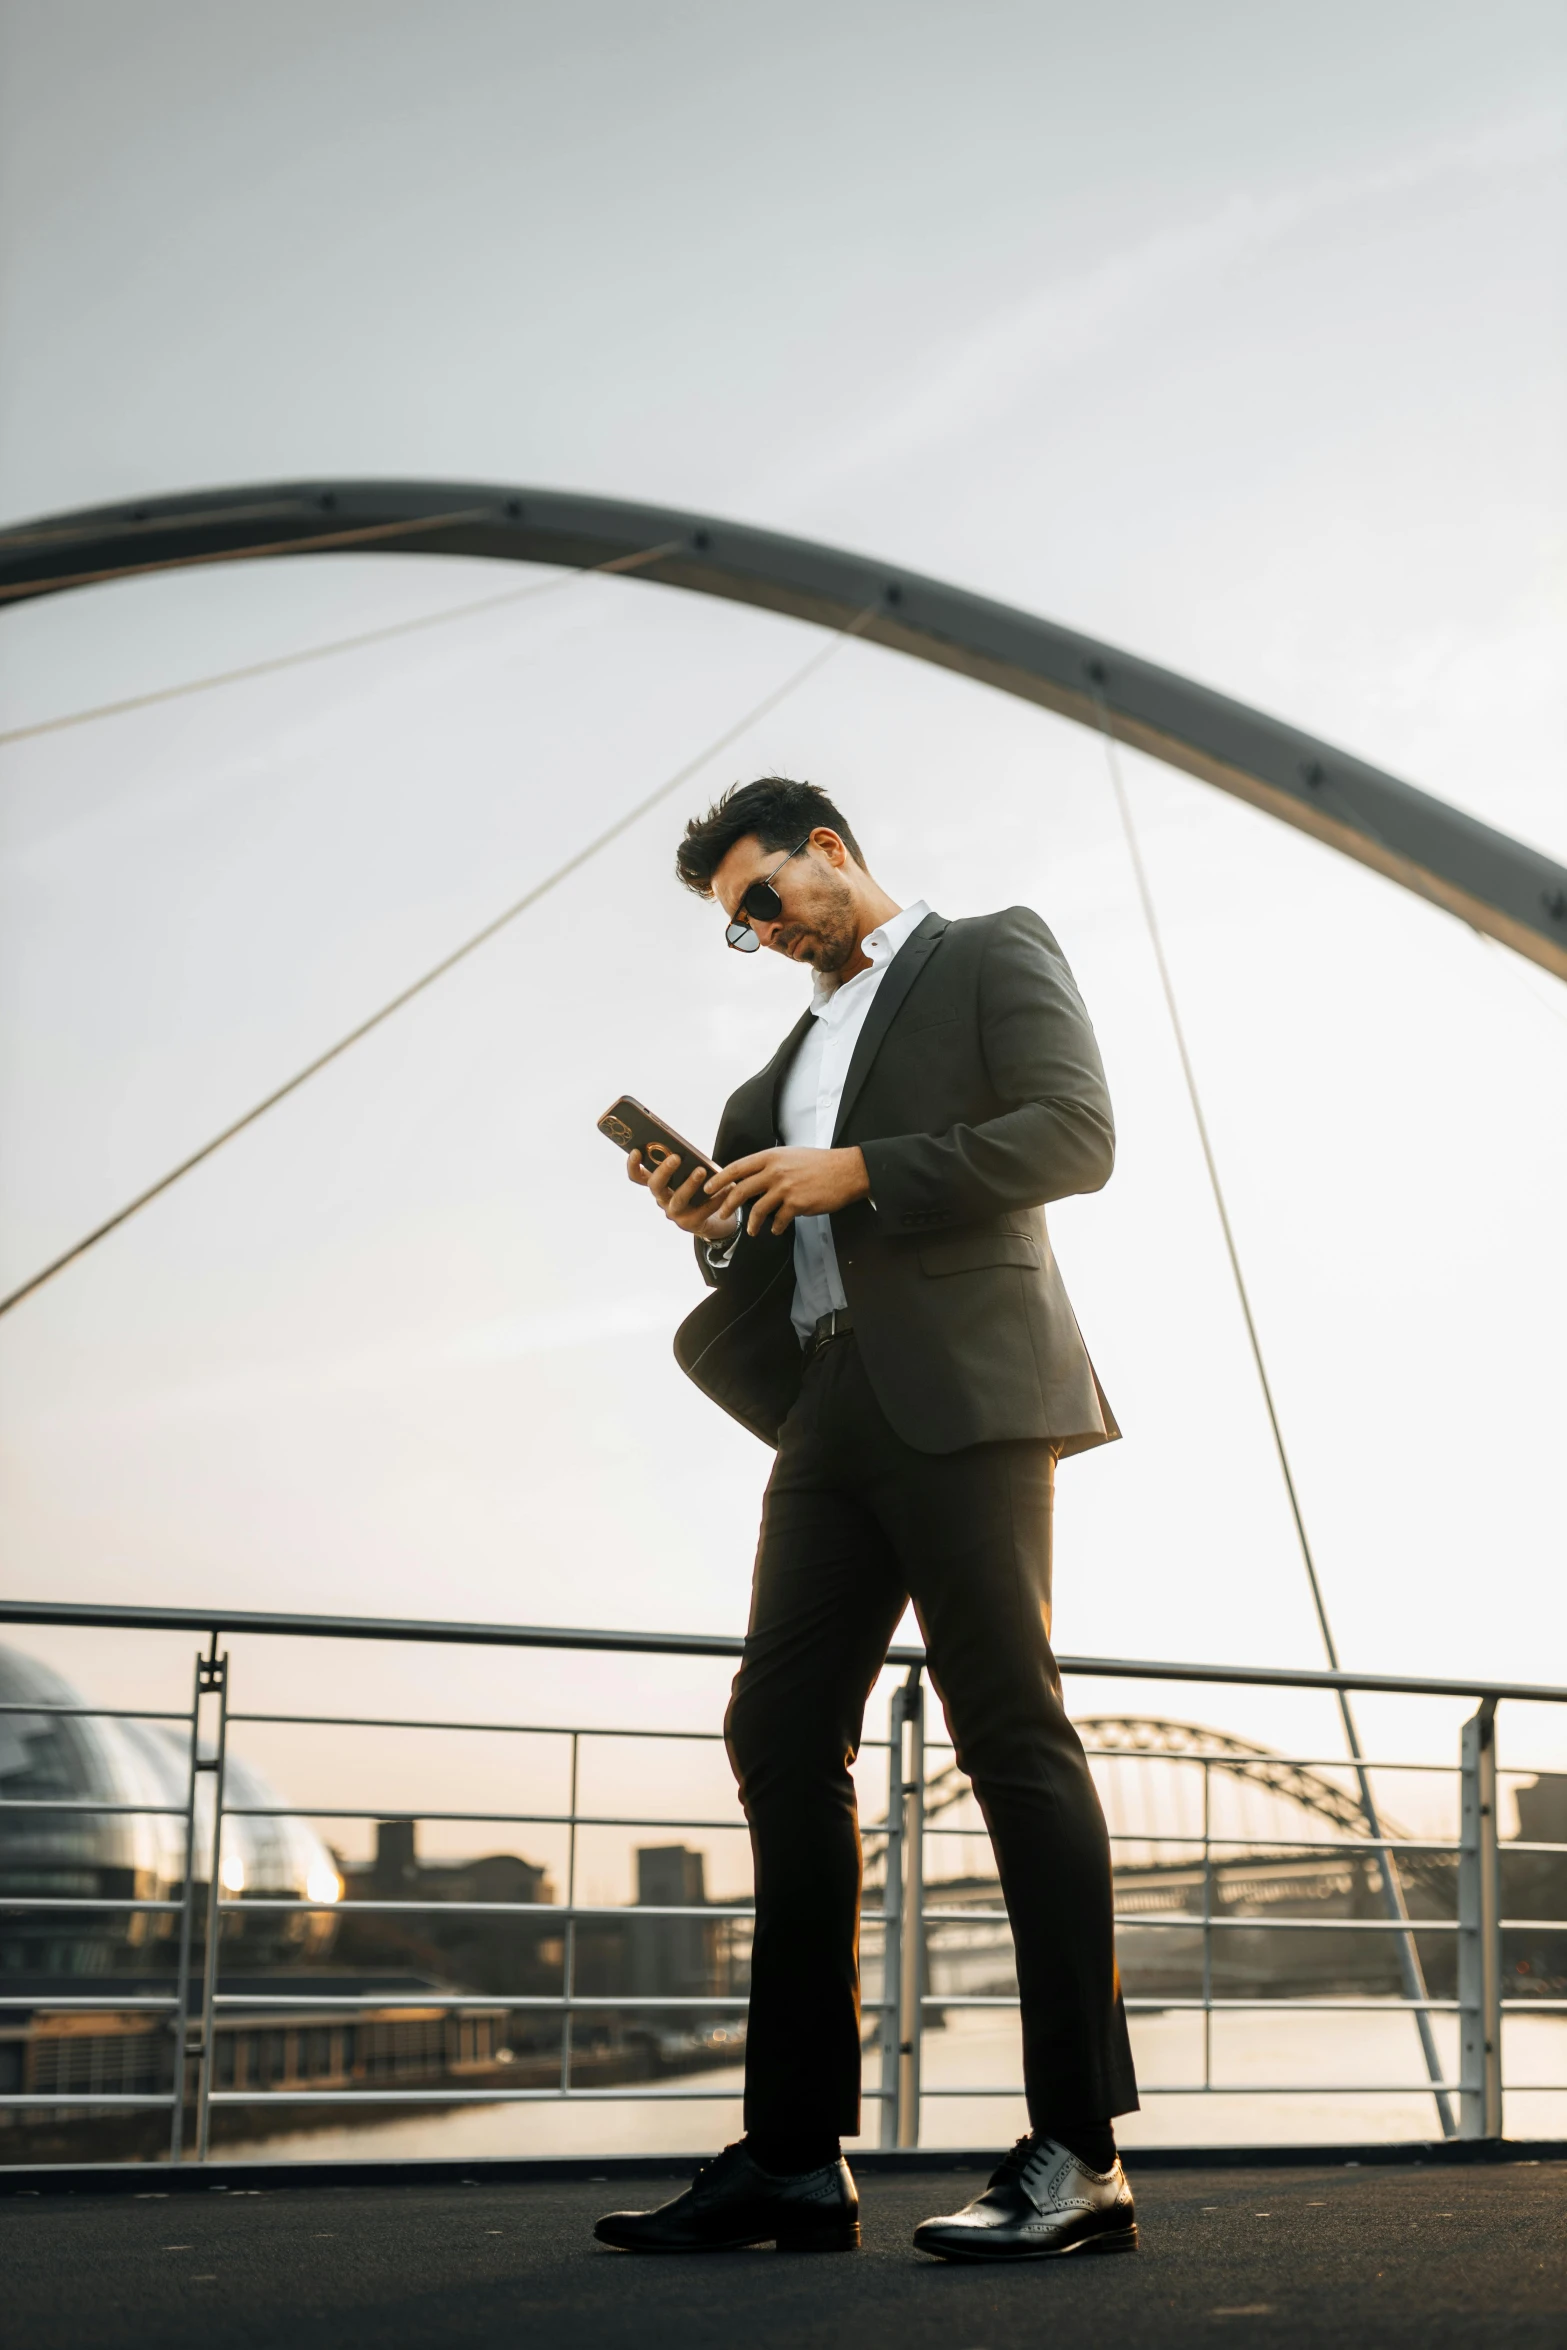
396,1873
469,1951
1542,1809
674,1958
1534,1885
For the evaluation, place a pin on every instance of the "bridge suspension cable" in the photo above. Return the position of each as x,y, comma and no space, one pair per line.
342,644
1393,1894
449,962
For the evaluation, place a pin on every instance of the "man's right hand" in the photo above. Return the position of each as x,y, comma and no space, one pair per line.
706,1215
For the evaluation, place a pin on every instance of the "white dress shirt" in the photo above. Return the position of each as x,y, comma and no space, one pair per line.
808,1105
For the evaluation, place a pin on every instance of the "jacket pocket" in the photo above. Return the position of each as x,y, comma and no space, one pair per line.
971,1252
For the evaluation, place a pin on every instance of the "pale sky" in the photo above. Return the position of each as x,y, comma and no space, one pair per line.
1234,335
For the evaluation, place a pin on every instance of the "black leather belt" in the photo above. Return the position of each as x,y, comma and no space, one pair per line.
837,1324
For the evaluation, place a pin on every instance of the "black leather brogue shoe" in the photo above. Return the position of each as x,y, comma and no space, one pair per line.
1042,2202
733,2202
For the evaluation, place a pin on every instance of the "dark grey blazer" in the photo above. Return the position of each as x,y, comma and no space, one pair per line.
976,1093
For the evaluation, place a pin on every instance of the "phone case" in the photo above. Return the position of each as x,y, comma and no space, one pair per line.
634,1128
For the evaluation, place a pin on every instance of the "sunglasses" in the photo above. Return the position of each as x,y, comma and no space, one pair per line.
759,903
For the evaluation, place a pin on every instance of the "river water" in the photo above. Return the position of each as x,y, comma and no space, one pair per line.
980,2048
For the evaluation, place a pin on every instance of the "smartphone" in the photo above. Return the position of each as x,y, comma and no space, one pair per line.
627,1123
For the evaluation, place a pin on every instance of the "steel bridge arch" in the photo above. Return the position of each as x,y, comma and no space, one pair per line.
1311,1791
1499,885
1239,1758
1113,1735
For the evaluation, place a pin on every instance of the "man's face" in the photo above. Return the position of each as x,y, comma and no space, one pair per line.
817,925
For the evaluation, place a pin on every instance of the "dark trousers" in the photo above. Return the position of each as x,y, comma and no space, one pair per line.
854,1523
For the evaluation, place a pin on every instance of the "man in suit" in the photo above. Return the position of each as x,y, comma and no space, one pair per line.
886,1312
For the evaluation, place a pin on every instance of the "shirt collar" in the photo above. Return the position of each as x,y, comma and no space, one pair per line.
881,944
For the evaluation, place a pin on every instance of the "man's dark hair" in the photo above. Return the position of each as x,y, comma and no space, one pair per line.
774,810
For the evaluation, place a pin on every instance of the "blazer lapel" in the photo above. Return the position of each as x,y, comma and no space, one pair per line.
904,969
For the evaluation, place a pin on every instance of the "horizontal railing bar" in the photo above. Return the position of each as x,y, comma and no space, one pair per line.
1531,1925
1240,1762
85,2097
53,2003
1240,2089
269,1623
492,2002
90,1803
625,2096
499,1729
1302,1925
1298,1762
80,1901
558,1912
1151,2006
1394,2005
1280,1847
633,2096
96,1713
506,1729
1285,1846
507,1819
81,2003
589,1638
998,1917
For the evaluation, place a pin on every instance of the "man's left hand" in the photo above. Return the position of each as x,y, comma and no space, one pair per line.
782,1184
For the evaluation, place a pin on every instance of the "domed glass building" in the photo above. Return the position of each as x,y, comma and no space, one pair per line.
93,1810
136,1849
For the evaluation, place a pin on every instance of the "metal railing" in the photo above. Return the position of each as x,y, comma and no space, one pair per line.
196,2000
1478,1924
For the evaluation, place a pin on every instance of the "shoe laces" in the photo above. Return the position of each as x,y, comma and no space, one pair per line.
716,2162
1013,2165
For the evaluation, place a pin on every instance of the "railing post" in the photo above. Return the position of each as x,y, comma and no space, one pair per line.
568,1948
892,1928
911,1971
187,1917
1479,1932
214,1675
1206,1923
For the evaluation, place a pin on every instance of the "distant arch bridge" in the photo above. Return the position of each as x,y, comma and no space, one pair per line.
1158,1816
1145,1738
1286,1806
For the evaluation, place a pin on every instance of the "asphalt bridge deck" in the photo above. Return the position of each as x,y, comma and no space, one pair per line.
1426,2254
